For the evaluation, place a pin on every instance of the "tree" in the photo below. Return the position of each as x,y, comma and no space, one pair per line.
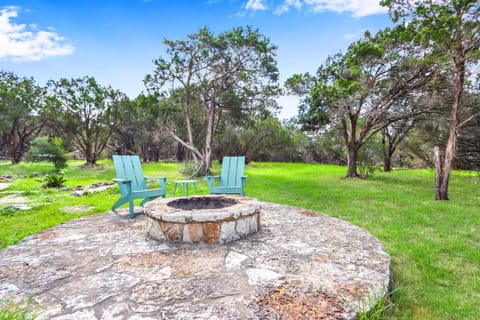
452,30
264,140
234,72
86,112
140,131
21,113
361,88
395,133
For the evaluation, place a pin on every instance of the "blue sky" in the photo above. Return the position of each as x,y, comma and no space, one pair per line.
116,41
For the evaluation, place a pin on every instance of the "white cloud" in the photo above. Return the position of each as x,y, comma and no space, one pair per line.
255,5
357,8
20,42
286,5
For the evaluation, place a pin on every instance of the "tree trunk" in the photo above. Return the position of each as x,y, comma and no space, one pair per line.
441,188
13,150
387,163
437,159
387,150
89,155
352,162
209,136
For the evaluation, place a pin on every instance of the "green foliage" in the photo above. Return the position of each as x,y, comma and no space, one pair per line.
451,31
190,170
366,169
234,73
377,310
10,310
54,181
264,140
21,113
86,113
361,89
7,212
140,130
44,150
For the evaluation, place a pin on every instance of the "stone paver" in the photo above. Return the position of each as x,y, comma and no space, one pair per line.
300,265
13,199
4,185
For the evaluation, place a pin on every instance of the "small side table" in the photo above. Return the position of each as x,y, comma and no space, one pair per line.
184,185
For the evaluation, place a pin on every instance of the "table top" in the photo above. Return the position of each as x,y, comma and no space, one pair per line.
185,181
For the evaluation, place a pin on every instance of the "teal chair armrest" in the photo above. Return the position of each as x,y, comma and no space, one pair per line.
125,185
210,180
122,180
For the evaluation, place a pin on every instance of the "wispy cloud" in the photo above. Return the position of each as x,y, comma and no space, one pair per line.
21,42
286,5
255,5
356,8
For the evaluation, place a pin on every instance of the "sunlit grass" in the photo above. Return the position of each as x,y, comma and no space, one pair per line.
435,246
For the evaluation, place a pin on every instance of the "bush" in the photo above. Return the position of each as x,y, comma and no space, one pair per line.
54,181
44,150
190,170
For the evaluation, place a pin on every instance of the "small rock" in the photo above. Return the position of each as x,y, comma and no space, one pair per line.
77,193
234,260
18,206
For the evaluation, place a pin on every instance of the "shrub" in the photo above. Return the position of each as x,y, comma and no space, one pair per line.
44,150
190,170
54,181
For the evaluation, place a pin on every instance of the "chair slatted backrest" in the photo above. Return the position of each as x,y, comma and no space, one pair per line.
129,167
232,171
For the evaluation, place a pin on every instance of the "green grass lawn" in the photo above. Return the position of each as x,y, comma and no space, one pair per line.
435,246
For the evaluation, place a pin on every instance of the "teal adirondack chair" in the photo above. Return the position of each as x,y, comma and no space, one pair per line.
232,179
133,184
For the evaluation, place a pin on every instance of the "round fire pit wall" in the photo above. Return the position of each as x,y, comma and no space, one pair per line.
202,219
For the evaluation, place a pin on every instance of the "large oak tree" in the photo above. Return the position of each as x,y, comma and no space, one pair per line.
363,88
452,30
21,113
234,72
86,112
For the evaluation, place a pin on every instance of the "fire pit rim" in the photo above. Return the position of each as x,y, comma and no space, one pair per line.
161,211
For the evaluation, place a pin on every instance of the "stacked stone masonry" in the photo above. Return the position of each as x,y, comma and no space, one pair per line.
209,226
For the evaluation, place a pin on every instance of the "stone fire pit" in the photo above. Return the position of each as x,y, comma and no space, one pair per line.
202,219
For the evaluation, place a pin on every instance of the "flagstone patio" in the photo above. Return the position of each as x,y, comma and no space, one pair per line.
300,264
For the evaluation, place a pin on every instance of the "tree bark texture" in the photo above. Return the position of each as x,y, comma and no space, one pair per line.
437,159
387,163
441,189
352,157
209,136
